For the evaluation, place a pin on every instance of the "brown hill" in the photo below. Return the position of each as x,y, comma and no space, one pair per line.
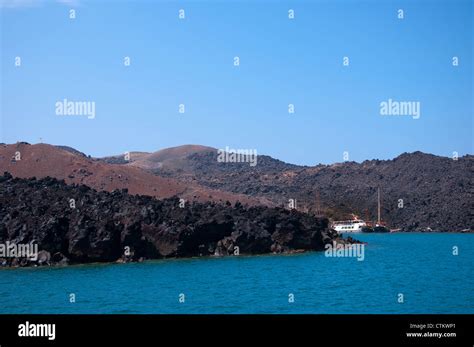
174,158
42,160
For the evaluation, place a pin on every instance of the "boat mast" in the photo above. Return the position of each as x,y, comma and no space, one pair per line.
378,205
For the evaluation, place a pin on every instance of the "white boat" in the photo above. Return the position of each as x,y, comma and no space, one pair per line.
348,226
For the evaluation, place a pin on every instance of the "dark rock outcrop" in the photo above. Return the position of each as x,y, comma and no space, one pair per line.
76,224
436,192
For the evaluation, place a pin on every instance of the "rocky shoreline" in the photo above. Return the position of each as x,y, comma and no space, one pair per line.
74,224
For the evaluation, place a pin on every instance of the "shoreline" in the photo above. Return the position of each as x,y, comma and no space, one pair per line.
120,261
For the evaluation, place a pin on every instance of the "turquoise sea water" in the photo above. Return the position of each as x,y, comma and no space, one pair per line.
422,267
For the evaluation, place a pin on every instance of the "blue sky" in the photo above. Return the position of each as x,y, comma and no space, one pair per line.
282,61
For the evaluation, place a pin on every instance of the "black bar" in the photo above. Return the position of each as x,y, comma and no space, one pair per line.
216,330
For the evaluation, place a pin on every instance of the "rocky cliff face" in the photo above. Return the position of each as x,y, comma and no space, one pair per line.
76,224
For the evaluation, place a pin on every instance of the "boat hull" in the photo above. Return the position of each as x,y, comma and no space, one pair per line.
376,230
349,226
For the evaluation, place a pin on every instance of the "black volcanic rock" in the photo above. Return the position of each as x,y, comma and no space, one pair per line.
437,192
76,224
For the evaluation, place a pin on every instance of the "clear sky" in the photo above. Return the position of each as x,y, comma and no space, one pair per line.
282,61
